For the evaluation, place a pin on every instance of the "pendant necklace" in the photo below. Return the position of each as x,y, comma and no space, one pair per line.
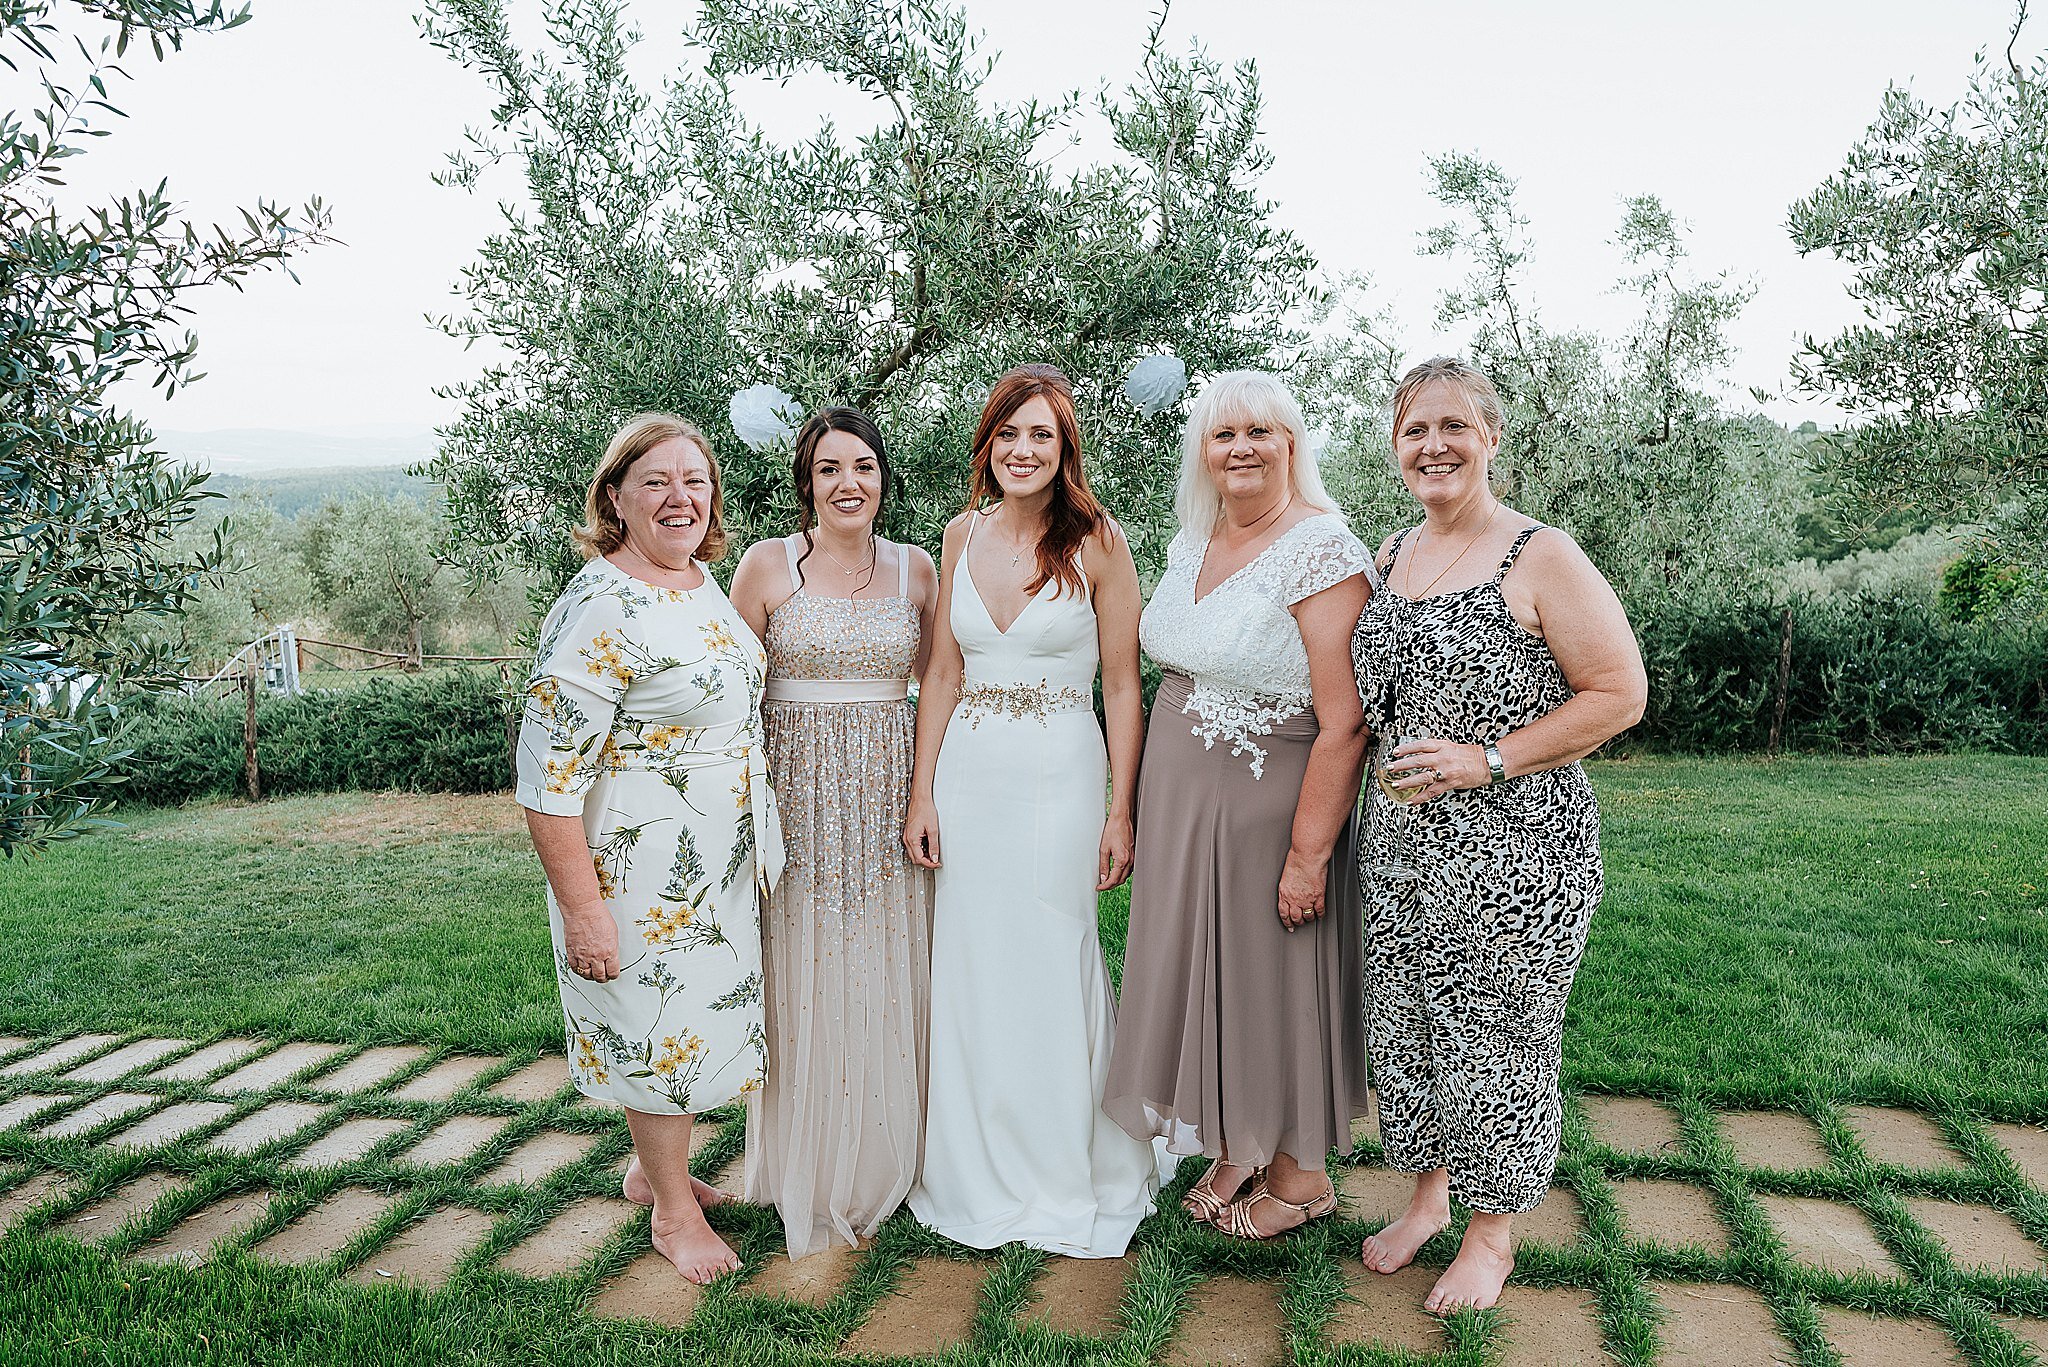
849,573
1408,576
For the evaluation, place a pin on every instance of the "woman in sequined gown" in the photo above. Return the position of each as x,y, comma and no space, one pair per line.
835,1139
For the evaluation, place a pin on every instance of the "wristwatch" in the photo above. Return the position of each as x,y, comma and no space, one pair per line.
1496,770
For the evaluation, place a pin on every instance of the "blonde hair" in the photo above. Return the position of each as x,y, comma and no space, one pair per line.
1469,380
602,532
1240,397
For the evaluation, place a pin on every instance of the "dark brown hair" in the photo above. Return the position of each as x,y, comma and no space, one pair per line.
1073,515
602,532
855,424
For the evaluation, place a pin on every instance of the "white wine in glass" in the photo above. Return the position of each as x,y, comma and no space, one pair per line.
1398,867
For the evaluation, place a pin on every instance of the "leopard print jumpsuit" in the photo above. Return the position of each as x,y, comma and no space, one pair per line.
1468,968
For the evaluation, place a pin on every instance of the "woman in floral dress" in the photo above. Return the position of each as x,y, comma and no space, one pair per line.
641,768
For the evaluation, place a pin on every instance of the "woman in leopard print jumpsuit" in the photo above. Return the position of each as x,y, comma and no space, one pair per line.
1494,659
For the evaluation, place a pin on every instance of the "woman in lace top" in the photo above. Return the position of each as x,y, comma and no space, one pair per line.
1240,1031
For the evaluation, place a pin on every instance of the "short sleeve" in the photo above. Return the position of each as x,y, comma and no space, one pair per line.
579,675
1326,554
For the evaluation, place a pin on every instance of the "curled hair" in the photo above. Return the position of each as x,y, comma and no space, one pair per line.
1469,380
1073,515
1237,398
855,424
602,532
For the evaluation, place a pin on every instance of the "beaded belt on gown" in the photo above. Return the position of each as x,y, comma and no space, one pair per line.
1019,700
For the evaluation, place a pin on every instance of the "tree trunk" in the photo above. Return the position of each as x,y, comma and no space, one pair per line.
252,781
1784,686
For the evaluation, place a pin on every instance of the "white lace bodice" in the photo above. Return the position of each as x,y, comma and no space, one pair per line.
1240,646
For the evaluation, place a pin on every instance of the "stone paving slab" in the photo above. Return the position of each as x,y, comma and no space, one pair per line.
1866,1340
1832,1236
206,1061
1978,1238
188,1242
1229,1322
20,1199
454,1140
1557,1326
174,1121
260,1075
2027,1146
369,1068
21,1108
347,1142
1712,1324
1905,1139
1081,1296
1633,1124
810,1280
427,1250
10,1043
327,1228
1673,1214
1373,1194
1386,1309
446,1078
540,1157
59,1054
272,1123
97,1112
573,1235
2033,1333
539,1080
931,1309
649,1289
126,1059
1782,1141
102,1219
1560,1221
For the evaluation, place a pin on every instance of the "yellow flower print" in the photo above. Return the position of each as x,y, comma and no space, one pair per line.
717,639
607,657
752,1084
587,1059
606,888
664,924
561,774
677,1054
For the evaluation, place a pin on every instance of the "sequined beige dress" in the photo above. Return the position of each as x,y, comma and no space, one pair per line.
835,1139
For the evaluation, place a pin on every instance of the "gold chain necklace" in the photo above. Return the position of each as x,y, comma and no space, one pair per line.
1408,575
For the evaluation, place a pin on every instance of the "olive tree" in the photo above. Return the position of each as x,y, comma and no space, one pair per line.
89,508
1941,216
664,252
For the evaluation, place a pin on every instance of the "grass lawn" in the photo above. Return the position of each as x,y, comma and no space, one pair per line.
1802,935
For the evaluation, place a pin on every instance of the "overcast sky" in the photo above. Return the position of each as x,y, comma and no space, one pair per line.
1729,112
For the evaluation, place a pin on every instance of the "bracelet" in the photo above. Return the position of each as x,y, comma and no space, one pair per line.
1497,771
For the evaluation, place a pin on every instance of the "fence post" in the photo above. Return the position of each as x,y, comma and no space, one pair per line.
511,722
1784,686
251,781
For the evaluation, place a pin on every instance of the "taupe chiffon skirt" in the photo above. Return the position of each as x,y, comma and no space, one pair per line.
1234,1036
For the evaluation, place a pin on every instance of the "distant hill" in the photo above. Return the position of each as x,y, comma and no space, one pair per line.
263,451
296,491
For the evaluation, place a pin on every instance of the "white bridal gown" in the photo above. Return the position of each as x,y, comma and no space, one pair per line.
1017,1148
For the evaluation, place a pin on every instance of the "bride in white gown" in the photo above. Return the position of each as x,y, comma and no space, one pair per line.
1007,807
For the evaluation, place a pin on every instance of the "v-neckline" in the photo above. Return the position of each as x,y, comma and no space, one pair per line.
967,567
1194,584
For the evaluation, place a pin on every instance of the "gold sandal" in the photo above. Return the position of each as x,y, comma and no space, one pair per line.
1202,1203
1236,1218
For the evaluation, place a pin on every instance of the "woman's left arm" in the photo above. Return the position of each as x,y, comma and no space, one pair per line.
1329,788
1588,634
1107,558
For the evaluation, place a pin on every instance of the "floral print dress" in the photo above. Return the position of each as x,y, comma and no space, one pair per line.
642,718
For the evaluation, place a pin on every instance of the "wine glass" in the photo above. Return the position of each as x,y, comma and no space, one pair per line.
1397,866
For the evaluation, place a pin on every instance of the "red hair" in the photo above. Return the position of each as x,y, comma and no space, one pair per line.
1073,514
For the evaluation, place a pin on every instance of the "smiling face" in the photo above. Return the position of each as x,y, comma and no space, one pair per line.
1024,453
664,503
1248,459
846,483
1443,449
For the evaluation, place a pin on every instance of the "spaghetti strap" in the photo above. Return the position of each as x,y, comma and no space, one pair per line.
1508,561
1393,554
796,584
902,569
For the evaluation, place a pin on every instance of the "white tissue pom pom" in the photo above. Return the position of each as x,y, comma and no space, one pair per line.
1156,383
762,416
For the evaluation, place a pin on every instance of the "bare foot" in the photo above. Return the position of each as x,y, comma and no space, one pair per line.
1394,1247
637,1189
695,1249
1474,1277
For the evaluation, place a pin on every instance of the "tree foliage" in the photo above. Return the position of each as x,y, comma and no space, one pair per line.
1625,442
668,253
1942,217
89,510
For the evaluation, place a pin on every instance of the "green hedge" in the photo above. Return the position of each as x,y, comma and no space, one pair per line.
1869,676
444,733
